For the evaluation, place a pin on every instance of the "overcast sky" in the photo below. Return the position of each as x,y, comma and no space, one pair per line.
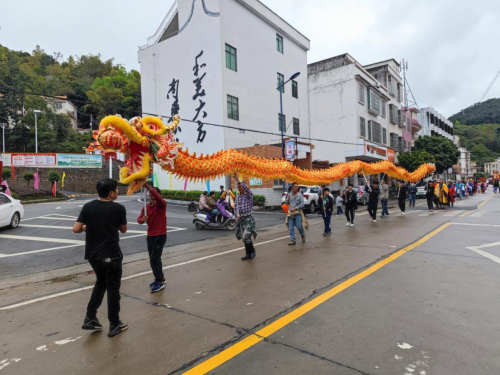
452,45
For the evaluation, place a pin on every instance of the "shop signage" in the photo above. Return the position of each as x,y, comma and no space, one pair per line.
290,149
255,181
391,155
79,161
371,149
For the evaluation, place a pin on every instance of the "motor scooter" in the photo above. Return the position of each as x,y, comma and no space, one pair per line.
203,220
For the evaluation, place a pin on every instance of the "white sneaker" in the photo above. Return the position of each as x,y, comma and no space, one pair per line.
402,213
351,225
348,224
371,219
374,221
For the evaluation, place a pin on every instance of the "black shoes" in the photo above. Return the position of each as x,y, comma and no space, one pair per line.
91,324
115,330
250,252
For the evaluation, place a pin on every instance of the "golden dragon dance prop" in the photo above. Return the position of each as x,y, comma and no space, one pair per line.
147,140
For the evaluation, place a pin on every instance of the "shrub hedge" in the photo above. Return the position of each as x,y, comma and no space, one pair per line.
194,195
28,194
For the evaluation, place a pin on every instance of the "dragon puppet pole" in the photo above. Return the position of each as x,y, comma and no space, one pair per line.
144,198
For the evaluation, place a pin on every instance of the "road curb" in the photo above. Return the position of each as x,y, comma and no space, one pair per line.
43,201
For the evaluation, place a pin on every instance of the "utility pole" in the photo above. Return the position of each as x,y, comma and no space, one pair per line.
3,125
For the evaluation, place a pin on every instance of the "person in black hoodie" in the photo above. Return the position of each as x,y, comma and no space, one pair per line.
374,192
351,204
429,194
326,204
402,194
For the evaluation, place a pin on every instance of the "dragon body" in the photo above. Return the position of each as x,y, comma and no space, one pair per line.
146,141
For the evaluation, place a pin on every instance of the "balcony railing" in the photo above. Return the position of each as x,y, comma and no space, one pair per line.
158,35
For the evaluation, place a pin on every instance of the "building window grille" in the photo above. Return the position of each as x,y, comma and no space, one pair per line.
231,58
279,43
295,89
296,126
362,127
233,110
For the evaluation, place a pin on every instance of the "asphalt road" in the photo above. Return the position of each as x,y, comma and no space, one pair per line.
44,240
409,295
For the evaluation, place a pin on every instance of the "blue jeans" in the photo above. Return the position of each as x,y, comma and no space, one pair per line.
339,210
215,211
413,198
327,219
295,221
385,211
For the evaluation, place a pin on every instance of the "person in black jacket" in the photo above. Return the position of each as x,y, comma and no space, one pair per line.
351,204
374,192
326,204
402,194
429,195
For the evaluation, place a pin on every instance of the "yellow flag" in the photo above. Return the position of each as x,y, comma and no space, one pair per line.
170,174
63,176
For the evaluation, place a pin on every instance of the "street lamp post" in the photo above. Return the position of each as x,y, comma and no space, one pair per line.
3,136
282,121
36,111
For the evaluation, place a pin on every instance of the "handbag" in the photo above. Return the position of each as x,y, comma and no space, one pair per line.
239,231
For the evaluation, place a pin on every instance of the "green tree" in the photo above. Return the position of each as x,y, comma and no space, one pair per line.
28,176
6,173
412,160
54,176
445,152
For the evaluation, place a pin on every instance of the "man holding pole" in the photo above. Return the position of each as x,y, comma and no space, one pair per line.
155,215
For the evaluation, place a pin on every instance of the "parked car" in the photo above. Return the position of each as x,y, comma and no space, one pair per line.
311,197
361,194
11,211
420,192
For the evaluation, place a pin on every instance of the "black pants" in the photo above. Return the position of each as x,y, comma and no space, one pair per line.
109,278
349,214
402,204
430,201
155,250
372,210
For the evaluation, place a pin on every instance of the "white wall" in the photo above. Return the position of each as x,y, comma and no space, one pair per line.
255,82
174,58
333,112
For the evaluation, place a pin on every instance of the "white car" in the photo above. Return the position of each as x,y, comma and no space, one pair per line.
11,211
311,197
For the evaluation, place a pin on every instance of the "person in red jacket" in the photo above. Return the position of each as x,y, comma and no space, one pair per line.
156,219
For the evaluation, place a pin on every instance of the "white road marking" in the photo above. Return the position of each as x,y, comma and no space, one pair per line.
66,341
58,227
42,348
38,251
404,346
477,225
478,214
41,239
56,295
492,257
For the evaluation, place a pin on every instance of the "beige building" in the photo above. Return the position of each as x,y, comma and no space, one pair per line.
489,168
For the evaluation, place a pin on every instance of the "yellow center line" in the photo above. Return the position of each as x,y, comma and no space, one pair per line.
253,339
486,200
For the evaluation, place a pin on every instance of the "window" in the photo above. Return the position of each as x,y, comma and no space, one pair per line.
376,130
295,89
394,141
373,102
369,130
361,93
231,58
4,199
393,114
384,108
282,122
401,123
281,82
279,43
58,105
278,183
399,92
233,109
392,88
362,127
296,126
384,136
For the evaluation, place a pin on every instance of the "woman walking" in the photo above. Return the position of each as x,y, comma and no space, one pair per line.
351,203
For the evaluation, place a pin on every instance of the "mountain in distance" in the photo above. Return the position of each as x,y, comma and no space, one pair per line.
487,112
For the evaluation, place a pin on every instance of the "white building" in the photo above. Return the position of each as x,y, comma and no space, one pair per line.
359,114
219,62
63,106
435,124
489,168
465,162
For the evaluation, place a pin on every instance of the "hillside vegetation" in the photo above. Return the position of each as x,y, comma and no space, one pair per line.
483,141
487,112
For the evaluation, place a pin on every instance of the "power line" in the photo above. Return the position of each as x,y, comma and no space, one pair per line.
489,87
